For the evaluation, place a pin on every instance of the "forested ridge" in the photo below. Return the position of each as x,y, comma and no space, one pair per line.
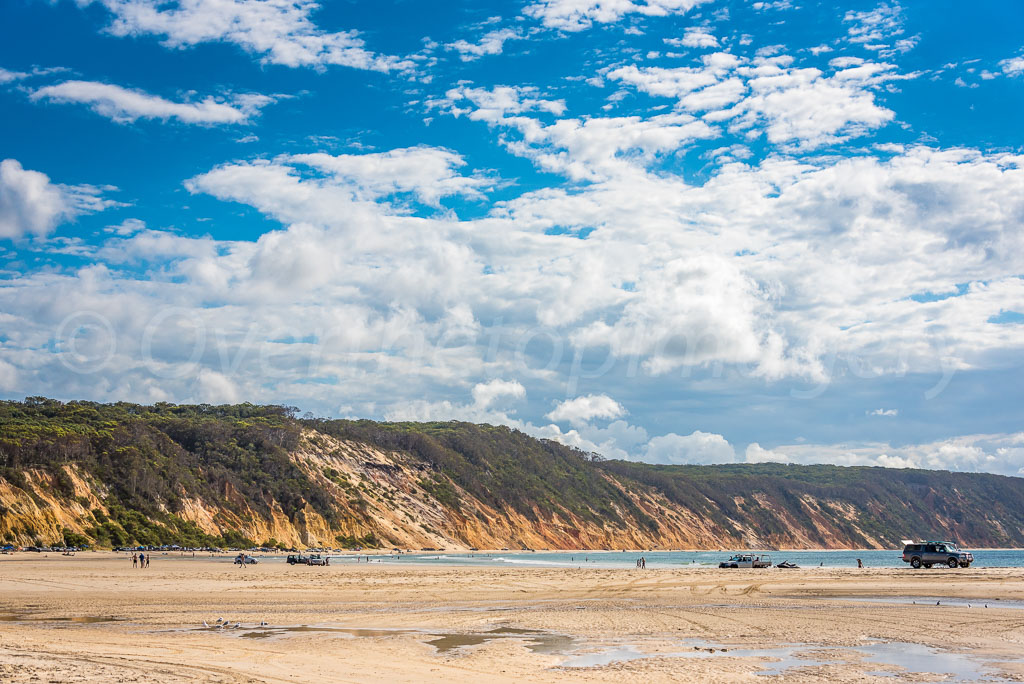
112,474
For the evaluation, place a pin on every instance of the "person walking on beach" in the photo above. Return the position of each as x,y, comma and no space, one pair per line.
147,559
135,561
643,563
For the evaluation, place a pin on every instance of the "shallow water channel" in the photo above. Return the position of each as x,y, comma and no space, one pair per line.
881,658
78,619
877,657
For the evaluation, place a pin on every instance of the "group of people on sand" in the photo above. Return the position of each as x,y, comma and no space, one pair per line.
641,563
141,560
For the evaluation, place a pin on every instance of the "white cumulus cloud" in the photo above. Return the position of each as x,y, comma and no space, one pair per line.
7,76
491,43
872,27
890,413
1013,66
577,15
586,408
804,107
697,447
755,453
485,393
993,453
30,204
278,31
696,37
429,172
125,105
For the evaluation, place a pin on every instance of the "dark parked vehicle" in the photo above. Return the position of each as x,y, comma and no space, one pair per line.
929,553
311,559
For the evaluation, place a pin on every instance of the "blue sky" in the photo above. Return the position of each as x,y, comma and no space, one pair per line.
679,231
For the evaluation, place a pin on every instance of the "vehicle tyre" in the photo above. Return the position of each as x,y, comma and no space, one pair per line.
928,566
965,565
953,563
915,563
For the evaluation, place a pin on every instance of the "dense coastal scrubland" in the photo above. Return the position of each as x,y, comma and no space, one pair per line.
114,474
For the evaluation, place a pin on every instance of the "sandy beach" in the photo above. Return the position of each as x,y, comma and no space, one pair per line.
92,617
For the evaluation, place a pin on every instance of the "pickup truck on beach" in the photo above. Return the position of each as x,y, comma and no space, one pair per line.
748,560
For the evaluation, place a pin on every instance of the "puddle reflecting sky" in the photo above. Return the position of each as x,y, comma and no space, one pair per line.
783,657
536,641
80,619
981,603
893,658
919,658
878,657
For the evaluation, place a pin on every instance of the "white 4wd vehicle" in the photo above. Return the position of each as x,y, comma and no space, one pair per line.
748,560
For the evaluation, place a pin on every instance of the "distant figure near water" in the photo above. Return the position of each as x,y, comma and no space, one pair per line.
860,564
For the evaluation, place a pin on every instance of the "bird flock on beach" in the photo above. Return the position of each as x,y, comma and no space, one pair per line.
221,623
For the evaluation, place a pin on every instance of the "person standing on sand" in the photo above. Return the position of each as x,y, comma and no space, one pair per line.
147,559
860,563
135,561
142,560
643,563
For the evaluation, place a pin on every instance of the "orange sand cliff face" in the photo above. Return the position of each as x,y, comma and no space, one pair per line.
381,492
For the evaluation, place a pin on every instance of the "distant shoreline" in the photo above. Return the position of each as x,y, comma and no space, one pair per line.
811,559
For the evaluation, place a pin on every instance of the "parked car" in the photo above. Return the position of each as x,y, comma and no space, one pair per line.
248,560
748,560
297,559
929,553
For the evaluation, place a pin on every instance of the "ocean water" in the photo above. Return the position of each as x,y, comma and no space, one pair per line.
992,558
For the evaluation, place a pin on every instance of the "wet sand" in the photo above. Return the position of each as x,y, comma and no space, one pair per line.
93,618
